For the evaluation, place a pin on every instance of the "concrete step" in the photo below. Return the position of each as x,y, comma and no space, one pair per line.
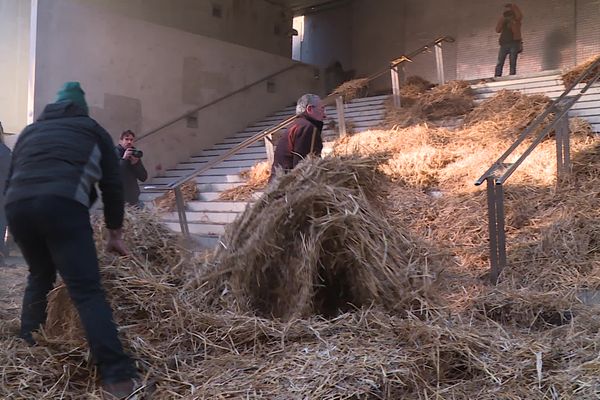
224,149
207,242
228,163
201,217
214,196
198,229
217,206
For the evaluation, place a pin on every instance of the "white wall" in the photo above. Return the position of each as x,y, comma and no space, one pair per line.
138,75
14,63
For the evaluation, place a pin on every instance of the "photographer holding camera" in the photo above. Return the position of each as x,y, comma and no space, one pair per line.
131,167
511,41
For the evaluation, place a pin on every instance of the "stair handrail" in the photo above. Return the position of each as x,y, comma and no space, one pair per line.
495,195
329,99
537,122
217,100
408,57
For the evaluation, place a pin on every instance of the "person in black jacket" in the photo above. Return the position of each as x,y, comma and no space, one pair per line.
132,168
4,168
303,137
56,162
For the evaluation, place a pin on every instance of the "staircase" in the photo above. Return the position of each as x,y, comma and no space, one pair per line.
550,84
208,217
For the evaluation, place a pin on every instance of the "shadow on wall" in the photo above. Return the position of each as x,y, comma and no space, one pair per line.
554,43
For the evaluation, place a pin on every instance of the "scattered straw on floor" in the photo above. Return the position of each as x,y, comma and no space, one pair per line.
346,252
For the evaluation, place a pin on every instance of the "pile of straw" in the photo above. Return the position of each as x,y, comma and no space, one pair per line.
570,76
352,89
167,202
318,237
452,99
256,178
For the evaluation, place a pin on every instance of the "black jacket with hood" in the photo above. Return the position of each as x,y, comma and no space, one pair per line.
65,153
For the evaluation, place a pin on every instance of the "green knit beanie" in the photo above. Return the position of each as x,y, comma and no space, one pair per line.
71,91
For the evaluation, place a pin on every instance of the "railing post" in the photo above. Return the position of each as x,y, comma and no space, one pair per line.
563,158
339,106
497,236
395,74
269,148
439,63
180,204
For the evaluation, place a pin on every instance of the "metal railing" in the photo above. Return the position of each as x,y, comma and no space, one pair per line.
500,171
195,110
266,134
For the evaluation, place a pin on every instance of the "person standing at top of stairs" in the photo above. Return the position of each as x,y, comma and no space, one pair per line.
303,137
511,41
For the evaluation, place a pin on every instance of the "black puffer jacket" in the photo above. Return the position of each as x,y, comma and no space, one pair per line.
65,153
131,174
302,138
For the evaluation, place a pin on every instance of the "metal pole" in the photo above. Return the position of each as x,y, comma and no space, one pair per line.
395,74
567,146
269,148
339,106
185,230
563,148
439,62
559,151
497,236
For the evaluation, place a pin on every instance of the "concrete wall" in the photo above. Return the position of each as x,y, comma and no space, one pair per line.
251,23
14,63
329,35
138,75
378,36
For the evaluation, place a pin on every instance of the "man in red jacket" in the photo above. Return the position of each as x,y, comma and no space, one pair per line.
303,137
511,42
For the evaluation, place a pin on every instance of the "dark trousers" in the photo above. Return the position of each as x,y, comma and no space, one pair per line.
55,235
511,50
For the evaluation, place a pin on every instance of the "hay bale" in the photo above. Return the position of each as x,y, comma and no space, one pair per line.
570,76
256,178
352,89
316,244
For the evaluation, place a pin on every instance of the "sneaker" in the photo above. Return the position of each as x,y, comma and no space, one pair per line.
127,389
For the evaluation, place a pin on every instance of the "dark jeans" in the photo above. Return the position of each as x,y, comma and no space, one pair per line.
55,234
511,50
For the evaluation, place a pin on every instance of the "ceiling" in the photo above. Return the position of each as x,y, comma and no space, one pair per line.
303,7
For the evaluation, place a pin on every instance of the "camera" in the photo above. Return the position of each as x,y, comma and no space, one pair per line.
136,153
